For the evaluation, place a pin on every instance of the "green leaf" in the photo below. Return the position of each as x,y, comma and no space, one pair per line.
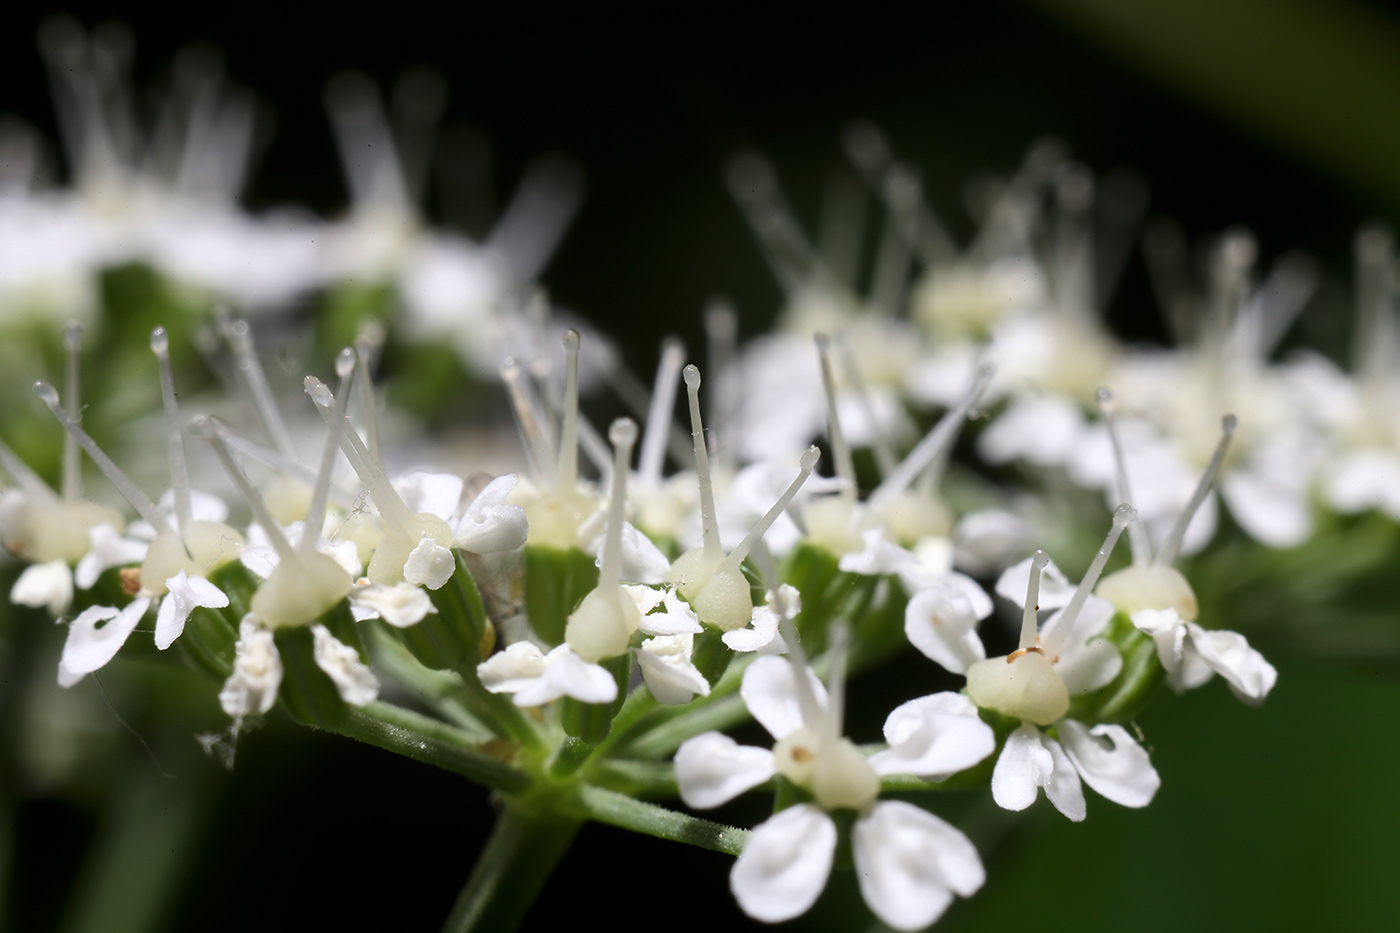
555,583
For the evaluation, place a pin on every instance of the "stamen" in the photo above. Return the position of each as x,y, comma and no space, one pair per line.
1054,638
138,499
1173,542
1137,533
1030,621
386,500
174,434
367,347
316,514
212,430
754,186
709,524
663,404
623,435
845,466
240,341
736,556
536,444
934,445
901,192
842,223
838,649
721,336
566,476
29,481
72,462
1375,286
885,461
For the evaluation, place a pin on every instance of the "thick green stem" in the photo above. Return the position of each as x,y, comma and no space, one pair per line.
606,806
511,871
415,736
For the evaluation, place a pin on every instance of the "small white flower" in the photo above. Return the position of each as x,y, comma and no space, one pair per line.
536,678
401,605
49,584
251,689
184,594
762,633
1106,757
109,549
668,671
662,611
934,737
489,523
1191,655
352,678
429,564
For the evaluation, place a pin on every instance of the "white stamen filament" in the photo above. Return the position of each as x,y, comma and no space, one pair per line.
885,461
934,445
1122,517
566,475
842,223
1030,619
29,481
298,471
838,648
540,450
174,434
900,189
240,341
138,499
663,404
316,514
840,452
754,185
1137,533
721,335
72,461
212,430
386,500
367,346
1173,542
709,525
736,556
623,435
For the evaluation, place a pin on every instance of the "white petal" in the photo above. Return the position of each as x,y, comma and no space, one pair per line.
512,670
647,598
668,671
941,623
429,564
761,631
1055,589
342,664
89,647
1274,514
1023,768
435,493
1111,762
712,769
566,674
676,617
257,673
401,605
490,523
879,557
109,549
184,594
1041,429
985,542
785,864
1229,654
910,863
642,561
769,690
45,585
1064,789
1091,667
934,737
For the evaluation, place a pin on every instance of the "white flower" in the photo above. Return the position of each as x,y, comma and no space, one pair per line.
49,584
1106,757
251,689
662,611
934,737
429,564
761,634
352,678
489,523
401,605
910,862
89,647
109,549
536,678
1191,655
668,671
184,594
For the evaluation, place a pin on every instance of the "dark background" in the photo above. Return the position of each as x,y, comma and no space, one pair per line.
310,833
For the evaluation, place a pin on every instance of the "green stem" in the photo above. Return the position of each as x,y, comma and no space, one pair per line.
437,689
606,806
511,871
415,736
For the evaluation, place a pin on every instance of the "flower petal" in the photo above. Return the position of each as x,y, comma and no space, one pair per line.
257,673
355,681
1055,588
668,671
941,623
401,605
184,594
109,549
490,523
910,863
513,669
934,737
1229,654
435,493
1111,762
429,564
785,864
567,674
1022,768
712,769
769,690
1064,788
45,585
89,647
